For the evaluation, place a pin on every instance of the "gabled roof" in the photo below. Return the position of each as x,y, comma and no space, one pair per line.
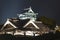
36,24
22,24
32,24
8,27
15,22
31,27
8,22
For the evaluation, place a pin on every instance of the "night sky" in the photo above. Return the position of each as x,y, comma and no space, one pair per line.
48,8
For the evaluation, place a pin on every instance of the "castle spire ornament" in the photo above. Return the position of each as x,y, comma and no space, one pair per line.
29,9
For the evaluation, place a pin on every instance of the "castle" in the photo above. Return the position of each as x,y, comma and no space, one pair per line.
25,24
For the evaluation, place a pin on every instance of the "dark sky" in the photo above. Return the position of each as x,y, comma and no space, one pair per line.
48,8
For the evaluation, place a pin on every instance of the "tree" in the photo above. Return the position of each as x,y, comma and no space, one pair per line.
48,21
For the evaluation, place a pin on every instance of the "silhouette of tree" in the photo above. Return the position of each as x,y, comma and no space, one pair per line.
47,21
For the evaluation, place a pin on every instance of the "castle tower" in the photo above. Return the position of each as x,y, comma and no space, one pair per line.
28,15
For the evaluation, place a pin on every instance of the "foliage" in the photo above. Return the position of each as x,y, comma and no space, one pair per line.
48,21
58,28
